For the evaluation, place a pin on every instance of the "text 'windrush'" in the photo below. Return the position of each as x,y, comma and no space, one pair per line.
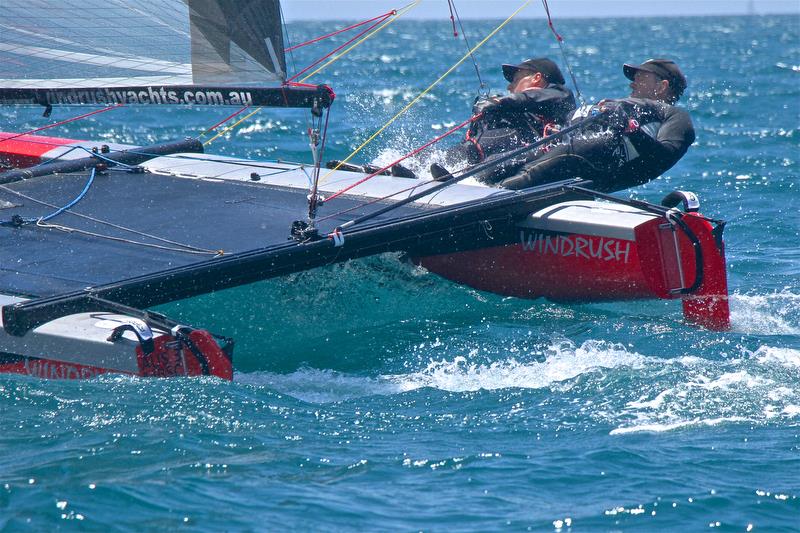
573,245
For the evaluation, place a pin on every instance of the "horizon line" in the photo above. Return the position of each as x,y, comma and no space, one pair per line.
570,17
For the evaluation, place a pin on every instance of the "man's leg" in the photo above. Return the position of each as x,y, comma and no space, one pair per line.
590,158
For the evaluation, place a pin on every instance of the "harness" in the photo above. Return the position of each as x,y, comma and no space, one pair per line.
524,125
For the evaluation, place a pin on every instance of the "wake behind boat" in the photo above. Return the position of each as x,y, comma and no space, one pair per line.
93,233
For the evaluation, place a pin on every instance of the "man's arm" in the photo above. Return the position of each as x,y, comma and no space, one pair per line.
554,101
550,100
670,142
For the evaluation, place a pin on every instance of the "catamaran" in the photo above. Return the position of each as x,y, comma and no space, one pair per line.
95,233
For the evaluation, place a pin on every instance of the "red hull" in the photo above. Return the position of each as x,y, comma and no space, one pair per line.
20,151
578,267
169,358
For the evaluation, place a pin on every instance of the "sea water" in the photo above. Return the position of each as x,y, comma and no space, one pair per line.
376,396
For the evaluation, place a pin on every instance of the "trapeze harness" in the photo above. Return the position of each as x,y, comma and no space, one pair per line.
524,118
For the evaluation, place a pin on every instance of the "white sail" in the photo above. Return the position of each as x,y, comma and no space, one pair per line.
58,44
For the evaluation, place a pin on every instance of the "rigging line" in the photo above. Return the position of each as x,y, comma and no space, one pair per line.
429,88
55,159
411,153
189,250
20,221
223,121
382,18
475,169
232,126
332,52
106,159
77,199
131,167
560,41
313,199
375,200
79,147
284,80
452,19
400,12
292,165
288,38
231,161
111,224
466,42
337,32
62,122
235,162
45,143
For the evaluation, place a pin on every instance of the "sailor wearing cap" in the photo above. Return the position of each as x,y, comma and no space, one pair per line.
539,73
640,137
656,79
537,102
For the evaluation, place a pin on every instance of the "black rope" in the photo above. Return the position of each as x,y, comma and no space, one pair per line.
476,169
466,42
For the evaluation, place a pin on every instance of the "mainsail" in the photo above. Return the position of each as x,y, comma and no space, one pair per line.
142,52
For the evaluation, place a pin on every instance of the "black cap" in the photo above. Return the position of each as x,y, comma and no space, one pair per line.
549,70
666,69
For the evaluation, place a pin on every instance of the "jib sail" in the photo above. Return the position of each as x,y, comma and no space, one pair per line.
204,52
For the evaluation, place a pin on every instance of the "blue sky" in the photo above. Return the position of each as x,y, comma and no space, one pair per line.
498,9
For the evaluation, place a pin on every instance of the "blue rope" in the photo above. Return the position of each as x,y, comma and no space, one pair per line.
107,159
19,221
76,200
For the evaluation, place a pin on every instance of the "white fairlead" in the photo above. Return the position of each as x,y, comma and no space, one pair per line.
337,236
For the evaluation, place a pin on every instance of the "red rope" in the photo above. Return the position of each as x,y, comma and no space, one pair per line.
323,58
411,153
223,121
312,41
550,21
452,18
73,119
374,200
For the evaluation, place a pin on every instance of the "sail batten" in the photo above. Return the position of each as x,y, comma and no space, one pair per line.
54,45
144,64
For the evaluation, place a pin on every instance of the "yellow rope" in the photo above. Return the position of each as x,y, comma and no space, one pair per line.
229,128
426,91
402,11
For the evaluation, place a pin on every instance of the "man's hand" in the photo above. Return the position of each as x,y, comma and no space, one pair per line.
487,106
618,116
633,125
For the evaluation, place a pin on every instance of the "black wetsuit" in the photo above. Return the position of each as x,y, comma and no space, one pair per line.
611,158
511,121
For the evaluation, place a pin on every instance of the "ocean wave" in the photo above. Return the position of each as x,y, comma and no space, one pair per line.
563,361
671,426
597,381
777,313
560,362
757,387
